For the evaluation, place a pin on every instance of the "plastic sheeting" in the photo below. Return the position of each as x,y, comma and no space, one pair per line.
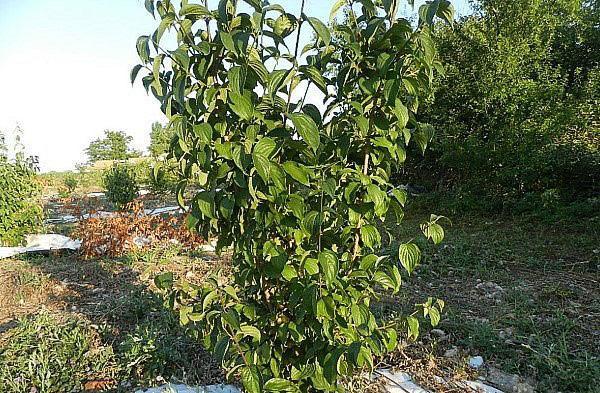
41,243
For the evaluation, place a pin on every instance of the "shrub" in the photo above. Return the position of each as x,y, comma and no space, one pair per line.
121,185
301,196
70,182
20,203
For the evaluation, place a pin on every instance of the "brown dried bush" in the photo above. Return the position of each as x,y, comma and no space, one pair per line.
132,229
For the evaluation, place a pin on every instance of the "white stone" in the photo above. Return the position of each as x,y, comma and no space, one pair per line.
476,362
172,388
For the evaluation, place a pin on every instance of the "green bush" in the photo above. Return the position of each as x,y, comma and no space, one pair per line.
304,198
21,209
70,182
121,185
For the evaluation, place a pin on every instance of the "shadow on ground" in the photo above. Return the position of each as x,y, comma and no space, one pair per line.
134,340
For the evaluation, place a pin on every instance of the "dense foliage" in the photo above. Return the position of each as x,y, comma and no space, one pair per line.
115,145
121,185
519,107
302,194
20,197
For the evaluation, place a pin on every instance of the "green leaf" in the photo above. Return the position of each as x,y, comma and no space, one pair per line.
423,136
400,196
149,5
143,49
370,236
181,57
434,316
206,203
220,350
156,74
241,105
165,23
433,231
413,327
307,129
261,156
368,261
250,331
164,281
311,265
335,8
250,379
379,198
280,385
321,30
311,222
237,78
204,132
401,113
329,266
316,76
446,11
297,172
384,280
227,41
330,368
194,9
284,25
134,72
410,256
276,80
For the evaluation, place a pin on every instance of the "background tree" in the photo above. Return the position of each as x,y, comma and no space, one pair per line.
515,111
160,139
115,145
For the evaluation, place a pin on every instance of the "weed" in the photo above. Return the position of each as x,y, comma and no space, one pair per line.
49,355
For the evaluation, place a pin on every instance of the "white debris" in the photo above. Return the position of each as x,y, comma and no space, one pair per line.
41,243
95,194
143,192
162,210
209,247
399,382
476,362
171,388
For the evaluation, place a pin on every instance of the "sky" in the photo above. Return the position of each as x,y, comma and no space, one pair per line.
64,72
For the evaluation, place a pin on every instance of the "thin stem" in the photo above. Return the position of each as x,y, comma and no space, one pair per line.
289,100
359,224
